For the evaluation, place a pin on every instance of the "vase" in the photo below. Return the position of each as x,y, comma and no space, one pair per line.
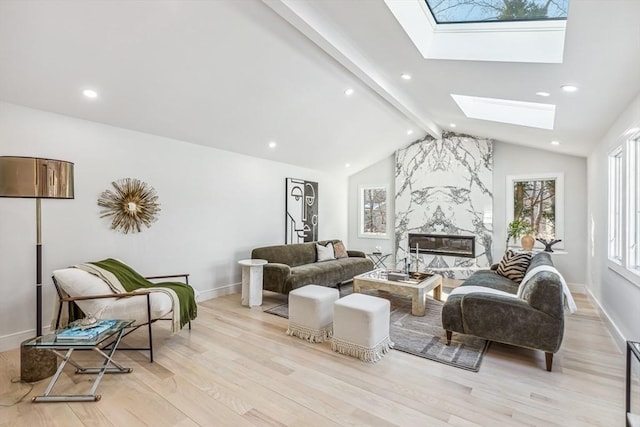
527,242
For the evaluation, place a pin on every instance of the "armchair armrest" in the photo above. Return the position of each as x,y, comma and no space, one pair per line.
90,297
170,276
358,254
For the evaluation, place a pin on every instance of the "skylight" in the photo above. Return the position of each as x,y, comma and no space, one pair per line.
472,11
485,30
521,113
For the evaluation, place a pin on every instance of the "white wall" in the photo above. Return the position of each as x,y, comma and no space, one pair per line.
618,297
381,173
216,206
509,159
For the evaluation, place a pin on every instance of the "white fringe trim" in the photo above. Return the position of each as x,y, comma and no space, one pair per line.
312,335
366,354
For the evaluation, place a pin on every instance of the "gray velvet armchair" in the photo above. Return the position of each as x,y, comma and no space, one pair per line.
535,320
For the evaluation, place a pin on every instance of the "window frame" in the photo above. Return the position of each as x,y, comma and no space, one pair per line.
633,205
361,193
628,155
615,210
559,204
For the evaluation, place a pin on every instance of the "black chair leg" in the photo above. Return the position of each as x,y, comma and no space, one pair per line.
149,328
548,358
59,314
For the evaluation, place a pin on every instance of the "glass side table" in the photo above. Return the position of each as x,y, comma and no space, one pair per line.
378,259
633,349
50,342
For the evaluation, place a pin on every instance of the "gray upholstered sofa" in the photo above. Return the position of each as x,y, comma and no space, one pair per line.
292,266
536,320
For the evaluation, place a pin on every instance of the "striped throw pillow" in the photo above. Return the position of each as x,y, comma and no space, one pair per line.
514,265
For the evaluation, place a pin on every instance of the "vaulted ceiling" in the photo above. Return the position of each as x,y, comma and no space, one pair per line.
236,75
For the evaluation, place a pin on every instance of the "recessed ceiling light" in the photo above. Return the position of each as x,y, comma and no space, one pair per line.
555,142
347,165
545,94
569,88
405,76
90,93
410,131
452,125
349,92
272,144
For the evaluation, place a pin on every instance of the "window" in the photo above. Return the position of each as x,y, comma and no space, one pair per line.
634,206
373,212
624,208
538,200
485,30
457,11
615,206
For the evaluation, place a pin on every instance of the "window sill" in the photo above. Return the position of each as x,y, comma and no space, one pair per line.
374,236
536,250
630,275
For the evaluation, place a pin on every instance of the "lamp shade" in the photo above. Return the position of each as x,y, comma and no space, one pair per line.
36,178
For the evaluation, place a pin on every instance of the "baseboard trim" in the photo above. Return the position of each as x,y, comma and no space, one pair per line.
617,336
11,341
208,294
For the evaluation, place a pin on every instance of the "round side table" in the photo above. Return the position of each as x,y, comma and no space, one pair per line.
252,281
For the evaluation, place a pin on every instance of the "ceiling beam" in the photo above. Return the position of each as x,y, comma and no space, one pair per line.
301,16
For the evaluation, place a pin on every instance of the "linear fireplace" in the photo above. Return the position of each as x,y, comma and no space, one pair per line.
443,244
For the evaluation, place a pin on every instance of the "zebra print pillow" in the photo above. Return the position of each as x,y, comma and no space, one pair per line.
514,265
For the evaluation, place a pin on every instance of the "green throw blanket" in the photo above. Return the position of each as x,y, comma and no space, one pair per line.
132,281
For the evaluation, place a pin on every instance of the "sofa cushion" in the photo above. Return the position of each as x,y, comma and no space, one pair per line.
490,279
327,273
291,255
325,253
339,250
514,265
76,282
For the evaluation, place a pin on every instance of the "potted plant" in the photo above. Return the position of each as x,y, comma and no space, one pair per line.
517,228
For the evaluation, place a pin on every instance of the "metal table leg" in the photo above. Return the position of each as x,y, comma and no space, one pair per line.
104,369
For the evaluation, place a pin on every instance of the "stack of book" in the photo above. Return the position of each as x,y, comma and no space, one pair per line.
81,333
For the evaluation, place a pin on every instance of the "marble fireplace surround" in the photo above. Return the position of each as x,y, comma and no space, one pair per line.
444,186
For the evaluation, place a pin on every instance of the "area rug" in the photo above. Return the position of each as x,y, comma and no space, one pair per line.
422,336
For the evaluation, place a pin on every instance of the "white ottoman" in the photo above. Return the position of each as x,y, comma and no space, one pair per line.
311,312
361,327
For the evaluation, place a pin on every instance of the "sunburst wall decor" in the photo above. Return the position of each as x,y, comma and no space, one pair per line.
132,204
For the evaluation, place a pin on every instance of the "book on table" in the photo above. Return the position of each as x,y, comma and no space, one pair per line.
79,333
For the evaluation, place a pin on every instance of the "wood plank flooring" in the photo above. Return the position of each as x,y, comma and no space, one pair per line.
236,367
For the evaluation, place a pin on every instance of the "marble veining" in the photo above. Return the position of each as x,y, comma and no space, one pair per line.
445,186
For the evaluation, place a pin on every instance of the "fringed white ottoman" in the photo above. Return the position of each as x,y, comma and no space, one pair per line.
311,312
361,327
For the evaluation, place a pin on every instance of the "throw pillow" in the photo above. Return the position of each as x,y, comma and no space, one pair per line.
325,253
339,250
514,265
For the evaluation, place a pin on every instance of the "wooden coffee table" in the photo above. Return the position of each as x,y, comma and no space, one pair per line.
415,287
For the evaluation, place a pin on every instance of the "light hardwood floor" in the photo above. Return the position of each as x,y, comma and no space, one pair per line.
236,367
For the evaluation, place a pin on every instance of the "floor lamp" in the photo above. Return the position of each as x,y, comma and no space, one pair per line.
36,178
